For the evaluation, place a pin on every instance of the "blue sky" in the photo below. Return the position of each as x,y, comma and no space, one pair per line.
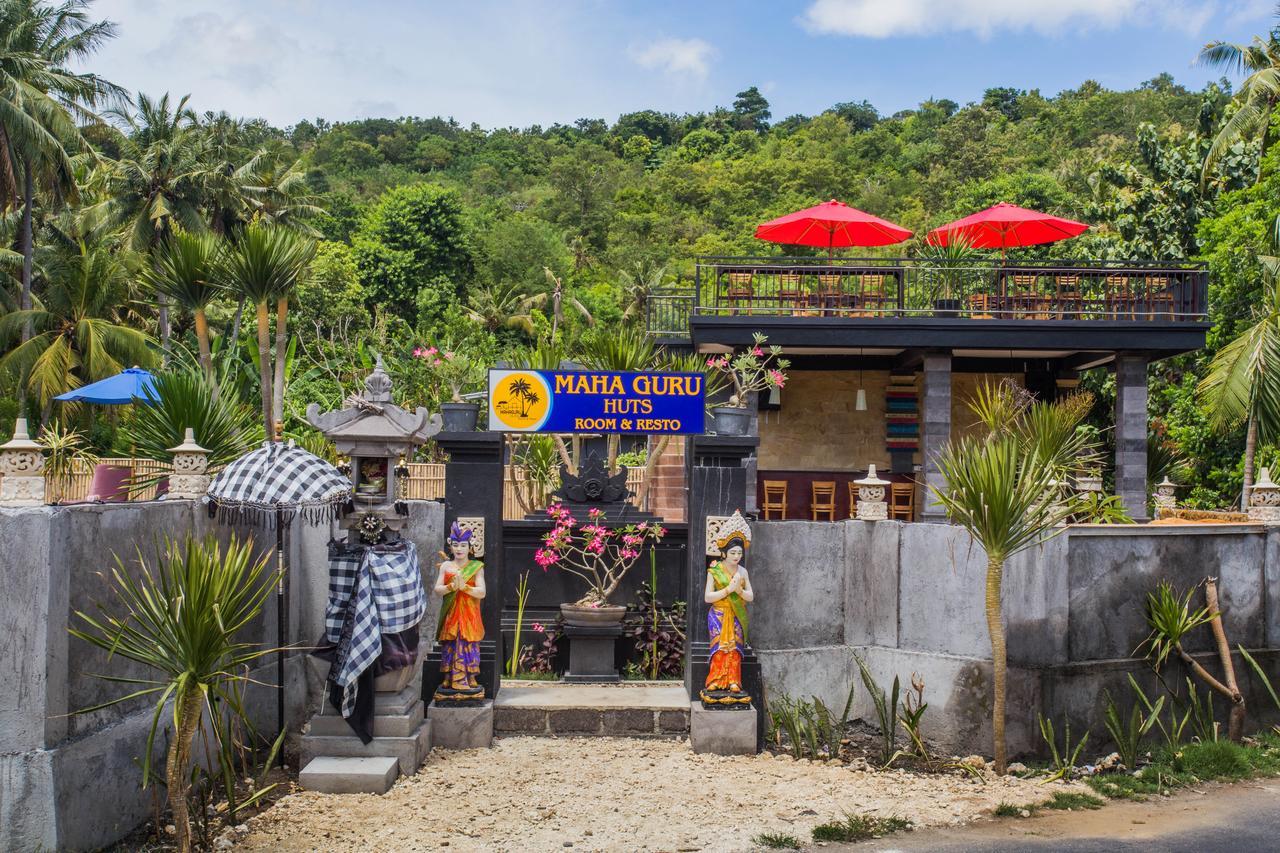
520,63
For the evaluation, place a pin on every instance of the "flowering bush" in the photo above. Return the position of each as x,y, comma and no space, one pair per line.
599,555
451,370
759,368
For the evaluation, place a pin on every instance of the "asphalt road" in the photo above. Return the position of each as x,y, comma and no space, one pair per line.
1240,818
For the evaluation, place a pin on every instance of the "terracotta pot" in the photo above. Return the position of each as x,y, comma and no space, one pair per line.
459,417
580,616
730,420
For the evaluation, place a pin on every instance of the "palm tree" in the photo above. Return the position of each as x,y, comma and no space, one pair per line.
40,100
159,182
263,266
184,270
278,193
503,306
182,615
639,287
1256,97
78,336
1001,488
1243,380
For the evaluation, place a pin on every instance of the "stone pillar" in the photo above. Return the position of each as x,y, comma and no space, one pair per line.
718,476
473,489
935,432
1131,433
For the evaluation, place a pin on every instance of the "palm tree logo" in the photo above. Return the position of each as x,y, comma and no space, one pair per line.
521,389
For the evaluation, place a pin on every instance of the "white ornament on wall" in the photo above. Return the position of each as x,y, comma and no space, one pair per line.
476,525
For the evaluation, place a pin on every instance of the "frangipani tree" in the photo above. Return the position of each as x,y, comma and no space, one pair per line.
1003,487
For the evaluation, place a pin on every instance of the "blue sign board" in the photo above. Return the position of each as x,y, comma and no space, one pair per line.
577,401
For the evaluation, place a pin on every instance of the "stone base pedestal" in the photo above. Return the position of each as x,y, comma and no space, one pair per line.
723,731
400,728
593,654
461,727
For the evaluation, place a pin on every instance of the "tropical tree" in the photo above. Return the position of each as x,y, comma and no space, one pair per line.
1256,98
78,334
264,265
184,269
182,616
502,306
1242,383
40,101
1002,488
639,287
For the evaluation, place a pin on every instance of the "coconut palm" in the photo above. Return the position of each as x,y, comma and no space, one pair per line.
181,615
639,287
1001,488
503,306
1242,384
78,336
264,265
1255,99
184,269
40,100
277,191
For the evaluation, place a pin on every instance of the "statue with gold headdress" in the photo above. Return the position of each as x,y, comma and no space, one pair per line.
728,591
460,583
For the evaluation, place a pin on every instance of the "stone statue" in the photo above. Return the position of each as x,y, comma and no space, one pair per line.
728,591
461,628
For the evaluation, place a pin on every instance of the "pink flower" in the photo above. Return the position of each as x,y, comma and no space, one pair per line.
449,356
431,350
436,363
757,352
539,627
417,352
779,378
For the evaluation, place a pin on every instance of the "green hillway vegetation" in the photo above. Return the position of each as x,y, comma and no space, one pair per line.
422,232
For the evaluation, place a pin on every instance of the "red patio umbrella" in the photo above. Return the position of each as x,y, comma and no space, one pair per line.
1003,225
832,224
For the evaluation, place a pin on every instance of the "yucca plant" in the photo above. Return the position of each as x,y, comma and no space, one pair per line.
66,454
181,615
182,398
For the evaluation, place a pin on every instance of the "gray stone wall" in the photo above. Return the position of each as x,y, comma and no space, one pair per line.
910,598
71,781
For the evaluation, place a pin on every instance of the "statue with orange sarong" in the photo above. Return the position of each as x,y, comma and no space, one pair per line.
461,628
728,591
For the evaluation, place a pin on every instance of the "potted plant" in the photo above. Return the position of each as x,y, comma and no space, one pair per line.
948,273
757,369
598,554
457,374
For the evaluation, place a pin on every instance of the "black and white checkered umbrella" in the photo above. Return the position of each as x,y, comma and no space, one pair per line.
277,482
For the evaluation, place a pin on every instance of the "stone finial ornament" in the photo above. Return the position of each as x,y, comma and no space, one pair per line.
1090,481
1166,494
189,480
22,464
871,503
1264,499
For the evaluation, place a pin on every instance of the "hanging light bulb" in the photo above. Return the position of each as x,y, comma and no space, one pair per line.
775,396
860,400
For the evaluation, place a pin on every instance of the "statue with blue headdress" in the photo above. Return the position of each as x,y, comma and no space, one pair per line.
460,582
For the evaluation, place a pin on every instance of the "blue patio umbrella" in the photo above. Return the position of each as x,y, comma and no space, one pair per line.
130,386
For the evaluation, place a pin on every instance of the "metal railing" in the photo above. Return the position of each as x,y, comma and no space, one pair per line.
1162,292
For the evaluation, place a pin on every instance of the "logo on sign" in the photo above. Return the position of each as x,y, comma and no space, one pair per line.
522,400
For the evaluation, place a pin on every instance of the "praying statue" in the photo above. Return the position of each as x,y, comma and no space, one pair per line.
728,591
461,628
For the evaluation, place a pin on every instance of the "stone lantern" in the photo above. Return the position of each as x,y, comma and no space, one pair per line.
1089,481
1264,500
1166,494
871,503
190,462
375,437
22,464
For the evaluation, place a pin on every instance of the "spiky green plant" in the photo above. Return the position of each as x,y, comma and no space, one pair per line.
181,616
184,269
182,398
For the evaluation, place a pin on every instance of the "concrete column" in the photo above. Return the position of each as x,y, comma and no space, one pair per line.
1131,433
935,430
473,488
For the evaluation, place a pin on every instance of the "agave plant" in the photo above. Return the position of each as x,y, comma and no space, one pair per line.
180,617
184,398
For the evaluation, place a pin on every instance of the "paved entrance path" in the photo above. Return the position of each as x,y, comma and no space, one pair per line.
1240,818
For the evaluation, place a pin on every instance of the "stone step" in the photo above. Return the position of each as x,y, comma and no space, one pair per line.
384,704
331,774
409,751
612,710
384,725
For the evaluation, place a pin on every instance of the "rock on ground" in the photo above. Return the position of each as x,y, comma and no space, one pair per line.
534,794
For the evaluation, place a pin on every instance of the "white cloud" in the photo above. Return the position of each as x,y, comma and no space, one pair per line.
879,19
675,56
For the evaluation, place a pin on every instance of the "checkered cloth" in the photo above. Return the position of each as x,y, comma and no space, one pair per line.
371,593
278,478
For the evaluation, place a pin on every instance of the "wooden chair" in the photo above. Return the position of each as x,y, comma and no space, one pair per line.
902,501
1117,297
1068,292
775,499
1159,297
790,291
853,499
830,293
740,290
824,499
872,295
980,306
1025,297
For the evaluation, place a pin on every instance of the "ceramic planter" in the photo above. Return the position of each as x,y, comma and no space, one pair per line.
730,420
459,417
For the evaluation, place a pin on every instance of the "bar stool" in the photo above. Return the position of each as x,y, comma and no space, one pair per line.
902,501
824,499
775,499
